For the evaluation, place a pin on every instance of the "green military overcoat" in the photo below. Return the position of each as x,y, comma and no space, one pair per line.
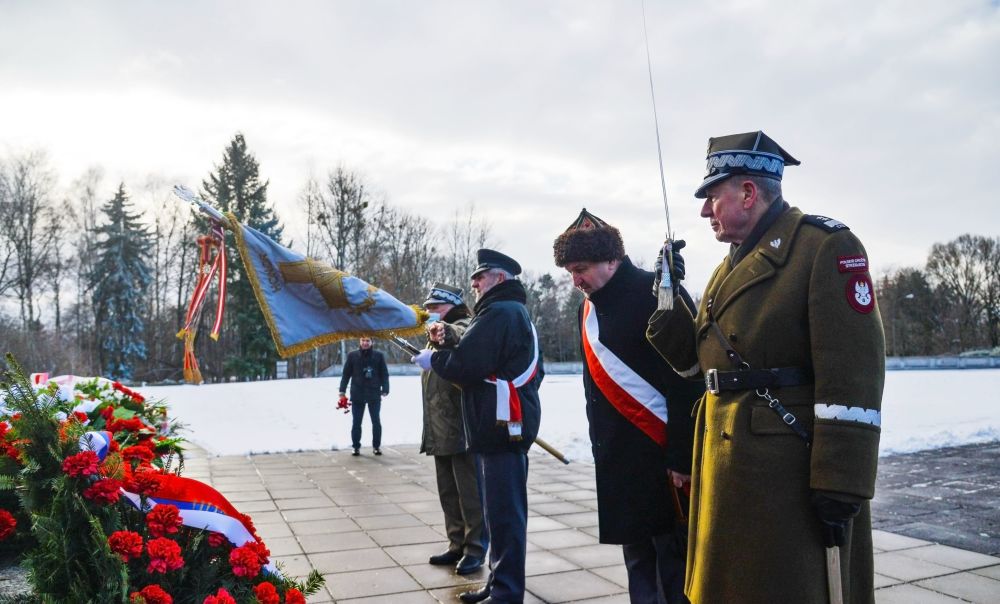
802,298
444,432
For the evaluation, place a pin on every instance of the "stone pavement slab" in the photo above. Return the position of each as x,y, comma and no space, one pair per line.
368,524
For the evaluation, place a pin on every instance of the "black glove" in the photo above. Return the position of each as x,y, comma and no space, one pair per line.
833,517
676,275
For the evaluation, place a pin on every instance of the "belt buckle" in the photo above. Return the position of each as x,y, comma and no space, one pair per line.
712,381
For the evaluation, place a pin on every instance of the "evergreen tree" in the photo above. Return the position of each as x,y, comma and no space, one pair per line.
119,282
235,187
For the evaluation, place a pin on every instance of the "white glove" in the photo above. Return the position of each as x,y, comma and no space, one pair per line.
423,359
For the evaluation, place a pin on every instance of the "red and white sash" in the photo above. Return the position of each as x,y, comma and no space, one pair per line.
631,395
508,402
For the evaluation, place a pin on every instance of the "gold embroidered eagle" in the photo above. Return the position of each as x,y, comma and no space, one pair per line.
329,281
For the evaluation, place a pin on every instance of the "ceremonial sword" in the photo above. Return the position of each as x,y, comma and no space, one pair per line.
665,294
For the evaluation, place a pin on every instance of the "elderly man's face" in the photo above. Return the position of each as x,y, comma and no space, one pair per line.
485,281
589,277
365,343
727,209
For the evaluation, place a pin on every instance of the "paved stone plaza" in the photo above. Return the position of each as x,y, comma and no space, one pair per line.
369,524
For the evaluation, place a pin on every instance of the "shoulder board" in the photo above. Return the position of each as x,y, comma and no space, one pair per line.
830,225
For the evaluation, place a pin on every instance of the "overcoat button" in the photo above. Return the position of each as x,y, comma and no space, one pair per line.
732,337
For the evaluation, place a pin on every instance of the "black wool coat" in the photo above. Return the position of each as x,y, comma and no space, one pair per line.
633,496
497,342
367,373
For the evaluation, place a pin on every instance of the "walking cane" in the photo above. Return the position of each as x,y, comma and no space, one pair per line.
833,575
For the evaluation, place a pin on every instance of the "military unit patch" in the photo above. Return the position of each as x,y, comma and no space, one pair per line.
827,224
861,293
852,264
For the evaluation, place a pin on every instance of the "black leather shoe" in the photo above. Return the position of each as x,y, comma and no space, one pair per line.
356,452
449,557
378,451
468,564
475,596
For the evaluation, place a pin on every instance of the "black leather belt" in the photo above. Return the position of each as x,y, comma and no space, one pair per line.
753,379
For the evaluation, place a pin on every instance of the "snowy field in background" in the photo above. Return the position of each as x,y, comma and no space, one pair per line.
920,410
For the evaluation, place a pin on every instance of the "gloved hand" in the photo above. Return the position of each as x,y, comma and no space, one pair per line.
833,517
677,275
423,359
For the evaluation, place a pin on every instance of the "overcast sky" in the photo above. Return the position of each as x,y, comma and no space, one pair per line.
529,109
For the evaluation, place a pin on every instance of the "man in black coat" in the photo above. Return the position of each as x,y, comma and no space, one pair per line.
499,367
369,377
639,410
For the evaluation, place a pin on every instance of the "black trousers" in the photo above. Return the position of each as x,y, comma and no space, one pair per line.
655,571
505,494
358,413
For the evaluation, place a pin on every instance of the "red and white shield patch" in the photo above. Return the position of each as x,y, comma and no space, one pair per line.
861,293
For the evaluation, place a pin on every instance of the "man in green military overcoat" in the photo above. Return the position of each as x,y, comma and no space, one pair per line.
789,340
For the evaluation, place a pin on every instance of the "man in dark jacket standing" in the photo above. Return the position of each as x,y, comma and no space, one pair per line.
499,367
444,438
369,377
639,410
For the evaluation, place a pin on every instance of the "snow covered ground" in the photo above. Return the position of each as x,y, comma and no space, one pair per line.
920,410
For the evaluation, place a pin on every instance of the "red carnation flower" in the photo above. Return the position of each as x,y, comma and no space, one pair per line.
294,596
263,554
266,594
7,524
81,417
164,555
245,562
221,597
103,491
145,440
126,544
4,428
143,482
131,425
151,594
217,539
107,413
138,453
163,520
80,465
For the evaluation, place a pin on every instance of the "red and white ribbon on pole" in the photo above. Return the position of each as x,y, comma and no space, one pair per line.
626,390
209,266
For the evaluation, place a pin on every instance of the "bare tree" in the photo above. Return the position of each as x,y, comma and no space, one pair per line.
26,183
953,266
462,236
341,213
988,257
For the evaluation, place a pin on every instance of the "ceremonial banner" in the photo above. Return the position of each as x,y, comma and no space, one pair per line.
308,303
